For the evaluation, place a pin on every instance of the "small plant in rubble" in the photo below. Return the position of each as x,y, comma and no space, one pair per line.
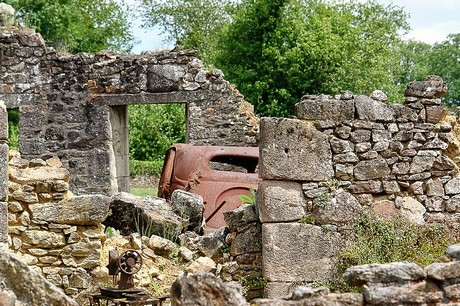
251,199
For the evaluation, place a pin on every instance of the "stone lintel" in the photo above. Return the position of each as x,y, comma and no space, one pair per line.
153,98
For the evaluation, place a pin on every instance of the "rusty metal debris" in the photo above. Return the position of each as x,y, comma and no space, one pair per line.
122,268
219,174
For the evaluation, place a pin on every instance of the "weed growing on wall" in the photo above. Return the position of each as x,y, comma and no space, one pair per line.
376,240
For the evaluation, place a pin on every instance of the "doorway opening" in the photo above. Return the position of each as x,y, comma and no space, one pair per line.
141,134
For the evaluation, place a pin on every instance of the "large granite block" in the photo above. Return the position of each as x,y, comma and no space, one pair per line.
292,149
294,252
280,201
326,109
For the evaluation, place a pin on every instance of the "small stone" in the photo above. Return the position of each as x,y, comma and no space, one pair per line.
201,265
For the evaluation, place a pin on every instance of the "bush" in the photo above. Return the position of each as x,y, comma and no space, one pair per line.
382,241
153,129
142,167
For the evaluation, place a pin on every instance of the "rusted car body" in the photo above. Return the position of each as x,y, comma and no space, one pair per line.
219,174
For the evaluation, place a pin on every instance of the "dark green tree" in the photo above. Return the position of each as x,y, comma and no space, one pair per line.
78,25
444,60
276,51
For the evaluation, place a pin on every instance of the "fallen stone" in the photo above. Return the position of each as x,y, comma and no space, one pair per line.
17,277
130,213
161,246
201,265
443,271
243,215
383,273
204,289
420,293
454,251
413,210
189,206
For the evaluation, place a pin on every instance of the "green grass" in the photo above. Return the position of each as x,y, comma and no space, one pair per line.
143,192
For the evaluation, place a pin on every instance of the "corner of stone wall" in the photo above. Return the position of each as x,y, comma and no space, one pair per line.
344,156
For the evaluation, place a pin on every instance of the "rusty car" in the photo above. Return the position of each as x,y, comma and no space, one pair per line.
220,174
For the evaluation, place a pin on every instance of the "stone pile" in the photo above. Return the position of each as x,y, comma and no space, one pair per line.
347,155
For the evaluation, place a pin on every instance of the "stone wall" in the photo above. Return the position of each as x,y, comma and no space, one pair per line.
56,233
75,106
245,248
3,176
399,283
344,156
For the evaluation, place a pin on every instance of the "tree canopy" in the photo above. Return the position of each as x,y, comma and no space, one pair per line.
277,50
78,25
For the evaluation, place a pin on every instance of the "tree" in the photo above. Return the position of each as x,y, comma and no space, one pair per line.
78,25
194,24
444,60
277,51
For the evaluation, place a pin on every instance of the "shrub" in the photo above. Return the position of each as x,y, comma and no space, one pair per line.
376,240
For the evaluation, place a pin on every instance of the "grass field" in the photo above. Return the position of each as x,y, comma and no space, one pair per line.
143,192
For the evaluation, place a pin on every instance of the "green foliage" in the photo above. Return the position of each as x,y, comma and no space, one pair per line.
13,128
251,199
145,167
194,24
384,241
153,128
277,51
111,232
155,289
253,283
144,192
78,25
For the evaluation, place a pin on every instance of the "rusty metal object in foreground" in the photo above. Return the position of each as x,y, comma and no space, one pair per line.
219,174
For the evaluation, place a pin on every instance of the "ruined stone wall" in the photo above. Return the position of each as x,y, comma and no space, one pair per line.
3,176
344,156
56,233
67,103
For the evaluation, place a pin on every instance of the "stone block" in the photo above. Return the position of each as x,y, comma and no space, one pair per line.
43,239
3,222
432,87
338,208
326,109
3,123
292,149
280,201
299,252
80,210
3,171
164,78
435,113
371,169
372,110
277,290
384,273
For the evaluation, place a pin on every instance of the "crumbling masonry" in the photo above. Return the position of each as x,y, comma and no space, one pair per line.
75,106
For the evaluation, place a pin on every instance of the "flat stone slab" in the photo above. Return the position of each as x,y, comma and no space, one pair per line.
79,210
299,252
292,149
